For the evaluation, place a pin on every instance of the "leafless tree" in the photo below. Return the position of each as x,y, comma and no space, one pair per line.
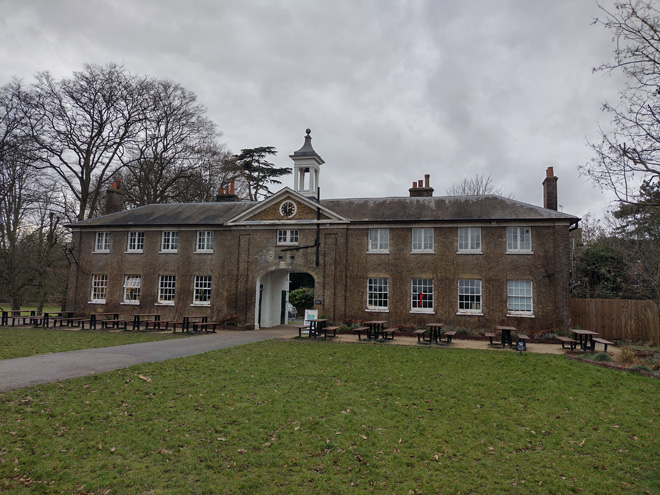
478,185
629,154
173,142
82,126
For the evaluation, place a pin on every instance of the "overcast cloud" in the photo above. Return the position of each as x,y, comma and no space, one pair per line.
392,90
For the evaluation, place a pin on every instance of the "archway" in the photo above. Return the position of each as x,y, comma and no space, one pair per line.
272,296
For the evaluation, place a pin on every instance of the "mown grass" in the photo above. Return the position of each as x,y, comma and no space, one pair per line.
311,417
21,342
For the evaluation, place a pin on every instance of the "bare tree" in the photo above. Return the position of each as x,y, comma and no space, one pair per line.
629,154
172,143
478,185
82,126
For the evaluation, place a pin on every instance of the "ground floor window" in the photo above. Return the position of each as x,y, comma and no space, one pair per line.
202,292
377,293
519,294
166,288
422,295
469,296
132,285
99,288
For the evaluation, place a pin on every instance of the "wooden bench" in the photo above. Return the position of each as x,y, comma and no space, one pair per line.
567,340
330,332
490,336
70,322
522,338
388,333
421,339
360,330
114,323
598,340
448,336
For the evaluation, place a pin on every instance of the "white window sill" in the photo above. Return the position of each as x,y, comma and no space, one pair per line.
377,310
520,252
422,311
204,252
200,305
470,313
378,252
173,251
130,303
469,252
288,244
134,251
98,301
165,303
422,251
520,315
101,252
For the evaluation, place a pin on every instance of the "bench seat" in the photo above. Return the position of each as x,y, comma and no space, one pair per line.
388,333
567,340
448,336
360,330
598,340
490,336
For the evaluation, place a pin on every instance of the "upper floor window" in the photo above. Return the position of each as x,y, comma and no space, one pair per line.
519,293
422,240
135,242
422,295
99,288
204,241
377,294
202,292
469,296
519,239
469,240
379,241
169,242
102,244
287,237
132,284
166,289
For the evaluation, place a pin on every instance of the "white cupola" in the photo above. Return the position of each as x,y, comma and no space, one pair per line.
306,168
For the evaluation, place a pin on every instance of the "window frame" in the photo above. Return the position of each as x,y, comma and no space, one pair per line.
203,240
378,241
172,239
510,248
102,242
470,231
528,295
424,237
198,287
134,297
99,289
414,296
166,284
373,295
465,285
135,242
285,237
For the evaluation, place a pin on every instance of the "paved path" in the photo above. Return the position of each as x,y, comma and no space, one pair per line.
44,368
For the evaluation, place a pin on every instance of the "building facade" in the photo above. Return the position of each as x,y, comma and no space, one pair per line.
472,262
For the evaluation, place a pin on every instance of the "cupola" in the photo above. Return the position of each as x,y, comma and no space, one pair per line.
306,168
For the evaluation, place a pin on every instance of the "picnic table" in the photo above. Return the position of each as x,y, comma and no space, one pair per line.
94,318
506,336
585,338
146,318
375,327
24,315
316,327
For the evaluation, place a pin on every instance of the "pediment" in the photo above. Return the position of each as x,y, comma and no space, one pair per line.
286,207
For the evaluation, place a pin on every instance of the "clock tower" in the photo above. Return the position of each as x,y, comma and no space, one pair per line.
306,169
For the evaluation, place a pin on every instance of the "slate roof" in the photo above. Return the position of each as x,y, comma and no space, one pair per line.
397,209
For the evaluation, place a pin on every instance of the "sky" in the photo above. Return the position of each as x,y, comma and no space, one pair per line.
391,89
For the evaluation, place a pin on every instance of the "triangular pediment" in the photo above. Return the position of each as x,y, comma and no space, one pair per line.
287,206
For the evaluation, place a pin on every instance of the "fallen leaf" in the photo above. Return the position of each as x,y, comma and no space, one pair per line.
145,378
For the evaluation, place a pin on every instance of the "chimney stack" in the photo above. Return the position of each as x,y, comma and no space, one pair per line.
550,190
421,188
114,197
226,194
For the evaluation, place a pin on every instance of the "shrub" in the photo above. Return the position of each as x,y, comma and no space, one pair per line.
302,297
642,367
626,356
602,357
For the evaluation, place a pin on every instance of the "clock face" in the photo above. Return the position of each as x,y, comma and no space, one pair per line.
288,209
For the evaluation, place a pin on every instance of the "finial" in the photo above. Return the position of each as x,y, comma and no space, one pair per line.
308,131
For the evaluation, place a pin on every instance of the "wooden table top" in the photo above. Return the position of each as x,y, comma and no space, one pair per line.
375,322
435,325
512,329
579,331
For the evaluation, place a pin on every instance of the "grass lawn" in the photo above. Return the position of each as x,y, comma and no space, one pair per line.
21,342
291,417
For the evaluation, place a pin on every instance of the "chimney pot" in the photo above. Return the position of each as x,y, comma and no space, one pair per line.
427,180
550,190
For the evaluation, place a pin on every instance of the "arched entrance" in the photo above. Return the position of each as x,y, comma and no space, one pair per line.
272,296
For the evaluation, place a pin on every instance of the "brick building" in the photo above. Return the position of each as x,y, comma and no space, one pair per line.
473,261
